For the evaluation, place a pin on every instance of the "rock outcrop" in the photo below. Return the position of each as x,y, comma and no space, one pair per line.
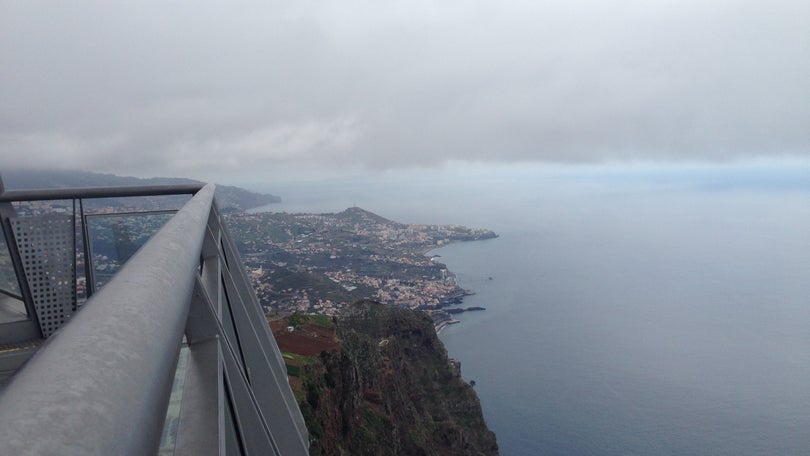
383,386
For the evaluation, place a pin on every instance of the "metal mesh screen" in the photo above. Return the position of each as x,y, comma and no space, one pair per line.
47,249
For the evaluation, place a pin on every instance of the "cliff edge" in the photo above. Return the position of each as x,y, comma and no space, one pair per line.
377,381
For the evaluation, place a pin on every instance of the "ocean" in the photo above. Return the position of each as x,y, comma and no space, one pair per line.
642,310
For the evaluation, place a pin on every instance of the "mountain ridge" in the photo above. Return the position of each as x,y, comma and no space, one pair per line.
227,196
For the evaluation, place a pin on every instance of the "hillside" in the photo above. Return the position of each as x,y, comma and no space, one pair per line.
377,381
227,196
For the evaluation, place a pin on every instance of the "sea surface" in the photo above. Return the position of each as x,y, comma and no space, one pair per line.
650,310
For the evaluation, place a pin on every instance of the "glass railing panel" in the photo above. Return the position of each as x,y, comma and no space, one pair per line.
12,308
114,238
169,439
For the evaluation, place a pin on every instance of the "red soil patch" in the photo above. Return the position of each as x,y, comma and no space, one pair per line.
307,341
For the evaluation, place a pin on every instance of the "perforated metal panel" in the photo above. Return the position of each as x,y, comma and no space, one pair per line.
47,250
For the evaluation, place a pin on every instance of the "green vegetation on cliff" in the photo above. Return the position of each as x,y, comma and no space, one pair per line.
383,385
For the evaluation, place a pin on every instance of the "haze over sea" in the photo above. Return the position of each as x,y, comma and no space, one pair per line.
631,310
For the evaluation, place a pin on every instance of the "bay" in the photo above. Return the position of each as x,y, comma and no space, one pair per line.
643,312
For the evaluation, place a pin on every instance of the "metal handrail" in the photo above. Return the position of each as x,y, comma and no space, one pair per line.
98,192
100,385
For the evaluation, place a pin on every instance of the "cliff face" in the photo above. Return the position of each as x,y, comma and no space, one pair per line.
385,388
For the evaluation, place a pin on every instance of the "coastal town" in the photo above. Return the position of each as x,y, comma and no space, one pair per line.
320,263
305,263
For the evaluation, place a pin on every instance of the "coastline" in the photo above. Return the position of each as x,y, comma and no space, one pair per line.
443,315
356,267
445,323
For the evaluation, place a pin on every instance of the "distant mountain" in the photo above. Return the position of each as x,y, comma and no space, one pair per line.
227,196
358,215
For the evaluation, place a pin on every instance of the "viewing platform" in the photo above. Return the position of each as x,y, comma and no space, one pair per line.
129,327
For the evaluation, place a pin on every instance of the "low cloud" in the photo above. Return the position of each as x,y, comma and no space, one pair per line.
167,88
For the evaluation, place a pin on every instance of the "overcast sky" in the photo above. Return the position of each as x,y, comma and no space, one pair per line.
203,88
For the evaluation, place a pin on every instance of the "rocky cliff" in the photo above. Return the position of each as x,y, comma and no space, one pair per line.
377,381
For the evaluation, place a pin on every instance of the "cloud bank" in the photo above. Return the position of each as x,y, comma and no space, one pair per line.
197,88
